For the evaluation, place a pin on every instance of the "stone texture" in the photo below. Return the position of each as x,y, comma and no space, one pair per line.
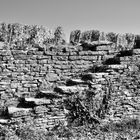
44,75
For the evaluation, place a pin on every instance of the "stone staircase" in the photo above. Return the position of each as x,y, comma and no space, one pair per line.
124,104
41,111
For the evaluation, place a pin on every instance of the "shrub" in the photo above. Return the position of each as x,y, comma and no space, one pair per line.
79,109
59,35
122,126
95,35
3,32
92,35
29,132
75,37
112,37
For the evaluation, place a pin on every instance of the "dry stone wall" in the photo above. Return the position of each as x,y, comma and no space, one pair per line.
33,80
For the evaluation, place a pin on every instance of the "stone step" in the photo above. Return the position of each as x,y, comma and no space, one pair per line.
41,109
4,121
48,94
72,82
38,101
69,89
94,84
136,51
118,66
16,112
91,76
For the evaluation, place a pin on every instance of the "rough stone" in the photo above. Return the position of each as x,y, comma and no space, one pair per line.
38,101
69,90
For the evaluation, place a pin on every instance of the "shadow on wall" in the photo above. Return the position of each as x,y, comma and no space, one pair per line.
112,61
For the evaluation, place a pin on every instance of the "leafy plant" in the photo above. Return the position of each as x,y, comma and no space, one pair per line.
29,132
79,111
95,35
75,37
85,36
112,37
59,35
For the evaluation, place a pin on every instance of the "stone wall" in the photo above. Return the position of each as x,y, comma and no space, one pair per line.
33,80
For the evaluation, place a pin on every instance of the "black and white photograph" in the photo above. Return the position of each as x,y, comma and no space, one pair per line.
69,70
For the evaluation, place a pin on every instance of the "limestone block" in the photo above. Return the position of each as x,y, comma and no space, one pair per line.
71,53
38,101
105,47
73,58
69,89
4,121
1,45
41,57
97,75
89,58
43,61
62,53
117,66
60,58
11,102
136,51
15,112
29,85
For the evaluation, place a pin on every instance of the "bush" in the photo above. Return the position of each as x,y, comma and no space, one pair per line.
59,35
29,132
95,35
85,36
80,109
75,37
130,38
24,35
92,35
112,37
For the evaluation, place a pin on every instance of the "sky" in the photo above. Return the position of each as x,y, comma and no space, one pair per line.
118,16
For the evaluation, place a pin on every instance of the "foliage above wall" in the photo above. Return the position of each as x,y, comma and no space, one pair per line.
23,35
